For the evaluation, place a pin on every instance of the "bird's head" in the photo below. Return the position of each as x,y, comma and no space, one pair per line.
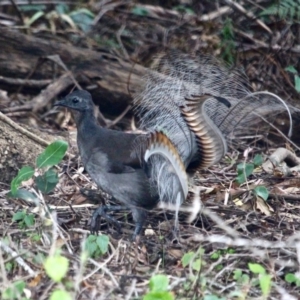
79,101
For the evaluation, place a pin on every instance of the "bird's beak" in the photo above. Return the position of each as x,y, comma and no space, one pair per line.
60,103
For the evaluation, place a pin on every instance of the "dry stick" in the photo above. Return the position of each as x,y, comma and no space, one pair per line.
248,14
27,133
22,130
18,259
51,91
41,100
26,82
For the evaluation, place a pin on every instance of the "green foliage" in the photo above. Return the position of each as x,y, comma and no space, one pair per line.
193,259
24,174
139,11
45,182
292,70
82,18
56,267
96,245
292,278
246,169
15,291
264,278
25,220
240,277
159,288
60,295
52,155
262,192
284,9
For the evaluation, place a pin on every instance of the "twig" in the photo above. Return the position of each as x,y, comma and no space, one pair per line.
248,14
18,259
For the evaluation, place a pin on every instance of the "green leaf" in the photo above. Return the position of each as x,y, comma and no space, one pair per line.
60,295
292,278
265,284
197,265
102,242
18,216
237,274
34,18
62,8
159,283
139,11
47,182
297,83
56,267
212,297
25,195
291,69
29,220
158,296
32,7
256,268
258,160
186,259
52,155
244,170
24,174
15,291
262,192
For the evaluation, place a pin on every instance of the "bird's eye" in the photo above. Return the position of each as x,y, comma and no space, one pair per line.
75,100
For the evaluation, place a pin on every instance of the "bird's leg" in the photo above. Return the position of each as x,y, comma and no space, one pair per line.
139,216
101,212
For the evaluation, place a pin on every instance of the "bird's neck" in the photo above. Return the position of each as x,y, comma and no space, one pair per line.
86,124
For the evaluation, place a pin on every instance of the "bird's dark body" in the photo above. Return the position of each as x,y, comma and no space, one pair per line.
108,157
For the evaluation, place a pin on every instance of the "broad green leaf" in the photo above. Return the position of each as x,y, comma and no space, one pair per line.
62,8
52,155
265,284
258,160
291,69
34,18
237,274
159,296
32,7
15,291
262,192
186,259
297,83
60,295
19,215
47,182
25,195
56,267
290,278
29,220
197,265
159,283
244,170
256,268
102,242
24,174
139,11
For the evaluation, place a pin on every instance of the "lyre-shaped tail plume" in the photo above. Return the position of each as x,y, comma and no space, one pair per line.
166,169
211,144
